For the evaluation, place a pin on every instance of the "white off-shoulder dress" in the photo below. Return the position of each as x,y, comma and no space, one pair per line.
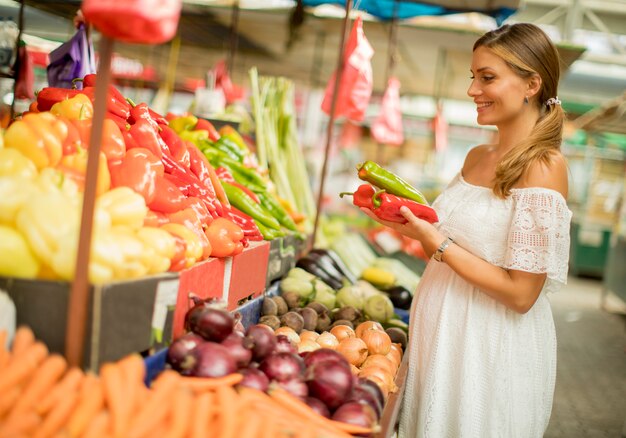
476,368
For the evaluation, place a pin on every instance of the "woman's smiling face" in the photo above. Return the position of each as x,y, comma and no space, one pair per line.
497,90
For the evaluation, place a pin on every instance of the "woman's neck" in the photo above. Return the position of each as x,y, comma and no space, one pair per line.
516,130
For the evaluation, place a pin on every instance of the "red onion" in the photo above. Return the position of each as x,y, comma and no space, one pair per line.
241,354
295,386
359,414
330,381
364,395
261,340
323,355
318,406
210,323
211,360
284,345
282,366
253,378
372,387
179,352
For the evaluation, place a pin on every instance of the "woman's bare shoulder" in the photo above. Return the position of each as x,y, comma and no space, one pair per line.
474,155
549,174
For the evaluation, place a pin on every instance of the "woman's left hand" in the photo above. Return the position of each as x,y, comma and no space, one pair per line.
415,228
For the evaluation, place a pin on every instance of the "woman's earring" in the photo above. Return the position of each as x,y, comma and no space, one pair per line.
525,99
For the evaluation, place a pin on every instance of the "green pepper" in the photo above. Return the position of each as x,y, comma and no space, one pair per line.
267,232
196,137
180,124
240,200
383,179
242,174
277,210
230,148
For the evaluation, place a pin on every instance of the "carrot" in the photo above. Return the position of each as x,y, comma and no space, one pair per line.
8,399
23,338
68,384
91,402
227,400
199,384
201,411
98,425
22,423
133,372
181,406
22,366
5,354
156,407
45,378
57,417
114,396
250,424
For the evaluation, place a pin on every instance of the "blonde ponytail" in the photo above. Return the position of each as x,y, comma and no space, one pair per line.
543,141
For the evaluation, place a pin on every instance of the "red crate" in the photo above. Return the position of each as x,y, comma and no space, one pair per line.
248,272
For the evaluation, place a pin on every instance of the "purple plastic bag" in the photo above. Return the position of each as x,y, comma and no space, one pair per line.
72,59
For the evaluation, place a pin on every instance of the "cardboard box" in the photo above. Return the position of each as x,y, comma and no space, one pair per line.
123,317
246,273
206,279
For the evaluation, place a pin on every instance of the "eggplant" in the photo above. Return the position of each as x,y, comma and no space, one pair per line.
327,265
337,262
310,265
400,297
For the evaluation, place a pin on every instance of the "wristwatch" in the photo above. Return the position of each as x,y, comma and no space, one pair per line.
444,245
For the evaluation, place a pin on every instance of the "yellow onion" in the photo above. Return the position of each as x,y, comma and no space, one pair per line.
327,340
355,370
382,374
308,335
289,332
367,325
342,331
395,353
380,361
308,345
381,384
354,350
377,341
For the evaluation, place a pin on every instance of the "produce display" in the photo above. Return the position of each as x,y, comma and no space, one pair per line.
216,345
40,396
389,195
161,205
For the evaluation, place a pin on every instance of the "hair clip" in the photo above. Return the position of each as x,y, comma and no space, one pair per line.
553,101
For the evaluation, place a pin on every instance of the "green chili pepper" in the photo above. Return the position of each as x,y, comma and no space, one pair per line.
244,175
245,203
383,179
230,148
268,233
277,210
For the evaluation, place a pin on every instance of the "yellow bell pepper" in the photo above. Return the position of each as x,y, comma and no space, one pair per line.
51,180
193,251
16,258
39,136
15,192
74,166
132,251
163,245
78,107
14,163
125,206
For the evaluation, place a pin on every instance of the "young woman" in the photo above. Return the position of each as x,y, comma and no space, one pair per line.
482,341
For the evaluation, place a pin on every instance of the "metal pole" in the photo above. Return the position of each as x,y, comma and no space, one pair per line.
331,120
234,37
79,293
17,66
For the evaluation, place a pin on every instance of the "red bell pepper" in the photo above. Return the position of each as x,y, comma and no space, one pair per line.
146,137
201,167
113,105
205,125
137,171
246,223
48,96
225,238
112,145
226,176
199,207
167,197
90,81
178,182
178,261
72,141
362,197
155,219
176,145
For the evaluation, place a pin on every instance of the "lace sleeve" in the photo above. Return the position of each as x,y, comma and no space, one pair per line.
538,239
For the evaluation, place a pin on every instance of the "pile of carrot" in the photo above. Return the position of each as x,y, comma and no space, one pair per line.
40,396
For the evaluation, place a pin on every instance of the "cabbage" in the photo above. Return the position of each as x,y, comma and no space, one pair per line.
324,294
300,274
379,308
351,296
302,287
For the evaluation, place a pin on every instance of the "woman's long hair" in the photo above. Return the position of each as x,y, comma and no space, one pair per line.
528,51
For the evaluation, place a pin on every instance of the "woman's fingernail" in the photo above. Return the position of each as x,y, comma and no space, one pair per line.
404,209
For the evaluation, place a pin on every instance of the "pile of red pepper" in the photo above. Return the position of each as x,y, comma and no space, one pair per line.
174,177
392,194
